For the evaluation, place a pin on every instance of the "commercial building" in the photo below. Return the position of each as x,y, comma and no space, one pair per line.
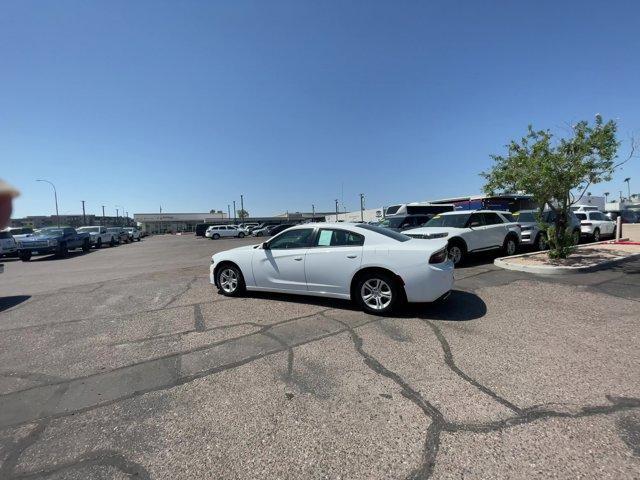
186,222
79,220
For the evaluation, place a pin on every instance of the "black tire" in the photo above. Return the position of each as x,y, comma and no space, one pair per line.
230,280
510,246
99,243
540,242
215,236
86,245
241,235
138,239
112,242
25,256
457,252
259,234
576,237
63,250
384,293
596,235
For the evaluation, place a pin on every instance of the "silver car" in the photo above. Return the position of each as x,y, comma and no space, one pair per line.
533,236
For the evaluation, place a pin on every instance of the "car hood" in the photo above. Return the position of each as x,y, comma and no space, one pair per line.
433,232
237,249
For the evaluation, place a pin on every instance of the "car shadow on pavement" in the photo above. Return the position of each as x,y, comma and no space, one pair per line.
49,258
9,302
460,306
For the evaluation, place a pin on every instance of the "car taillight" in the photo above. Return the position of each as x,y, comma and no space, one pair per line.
439,256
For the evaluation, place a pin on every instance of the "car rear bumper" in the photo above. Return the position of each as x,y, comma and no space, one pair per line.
428,284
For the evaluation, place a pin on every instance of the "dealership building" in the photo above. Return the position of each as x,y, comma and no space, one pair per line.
186,222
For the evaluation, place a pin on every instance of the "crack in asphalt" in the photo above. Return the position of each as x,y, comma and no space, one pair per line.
450,362
176,296
198,319
438,422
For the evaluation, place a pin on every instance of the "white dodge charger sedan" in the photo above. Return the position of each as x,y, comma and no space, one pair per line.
376,267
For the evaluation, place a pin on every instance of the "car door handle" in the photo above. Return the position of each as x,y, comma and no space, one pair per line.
352,256
297,259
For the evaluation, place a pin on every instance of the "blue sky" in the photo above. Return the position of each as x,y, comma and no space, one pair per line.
190,104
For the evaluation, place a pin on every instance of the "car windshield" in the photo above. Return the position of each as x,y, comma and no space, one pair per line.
113,229
49,231
453,221
89,229
525,217
400,237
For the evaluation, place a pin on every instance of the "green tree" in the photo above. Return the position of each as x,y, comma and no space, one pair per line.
557,172
242,214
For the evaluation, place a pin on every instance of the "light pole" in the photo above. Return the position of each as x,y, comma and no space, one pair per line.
55,196
628,188
242,207
606,197
336,209
362,207
118,220
313,212
234,212
84,218
228,211
103,215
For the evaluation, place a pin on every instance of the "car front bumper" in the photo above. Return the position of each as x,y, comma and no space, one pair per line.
39,250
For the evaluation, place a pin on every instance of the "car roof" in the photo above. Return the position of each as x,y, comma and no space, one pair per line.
461,212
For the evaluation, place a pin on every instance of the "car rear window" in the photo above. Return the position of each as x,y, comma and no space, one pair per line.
384,231
581,216
4,235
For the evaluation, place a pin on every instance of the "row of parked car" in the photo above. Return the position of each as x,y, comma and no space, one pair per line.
24,242
242,230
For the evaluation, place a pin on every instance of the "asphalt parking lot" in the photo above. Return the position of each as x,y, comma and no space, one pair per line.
125,363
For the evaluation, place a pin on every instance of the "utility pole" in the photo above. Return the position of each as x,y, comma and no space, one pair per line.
242,207
84,218
234,212
103,215
117,217
313,212
55,196
336,209
228,211
362,207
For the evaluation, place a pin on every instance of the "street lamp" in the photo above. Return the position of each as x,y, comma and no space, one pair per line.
55,196
628,188
117,212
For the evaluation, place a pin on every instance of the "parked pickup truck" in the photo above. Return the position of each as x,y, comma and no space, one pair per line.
52,240
99,236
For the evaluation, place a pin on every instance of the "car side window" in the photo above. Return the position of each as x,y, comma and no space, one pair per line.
68,231
298,238
338,238
492,219
475,220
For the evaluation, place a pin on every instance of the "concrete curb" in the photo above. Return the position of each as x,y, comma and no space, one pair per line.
559,270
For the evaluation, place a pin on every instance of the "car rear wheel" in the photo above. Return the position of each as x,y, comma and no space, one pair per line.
377,293
25,256
112,242
596,235
86,245
241,235
63,251
99,243
230,281
576,237
215,236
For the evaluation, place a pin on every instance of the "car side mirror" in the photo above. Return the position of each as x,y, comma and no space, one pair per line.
265,245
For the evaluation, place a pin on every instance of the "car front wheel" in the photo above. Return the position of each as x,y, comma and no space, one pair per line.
510,246
241,235
596,235
541,242
456,252
215,236
378,294
25,256
99,243
230,281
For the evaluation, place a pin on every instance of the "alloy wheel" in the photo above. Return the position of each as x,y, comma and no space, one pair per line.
376,294
455,254
511,247
228,280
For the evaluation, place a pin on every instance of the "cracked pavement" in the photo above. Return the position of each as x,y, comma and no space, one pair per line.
125,363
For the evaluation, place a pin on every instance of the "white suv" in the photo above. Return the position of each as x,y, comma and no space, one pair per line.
99,236
595,225
472,231
219,231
